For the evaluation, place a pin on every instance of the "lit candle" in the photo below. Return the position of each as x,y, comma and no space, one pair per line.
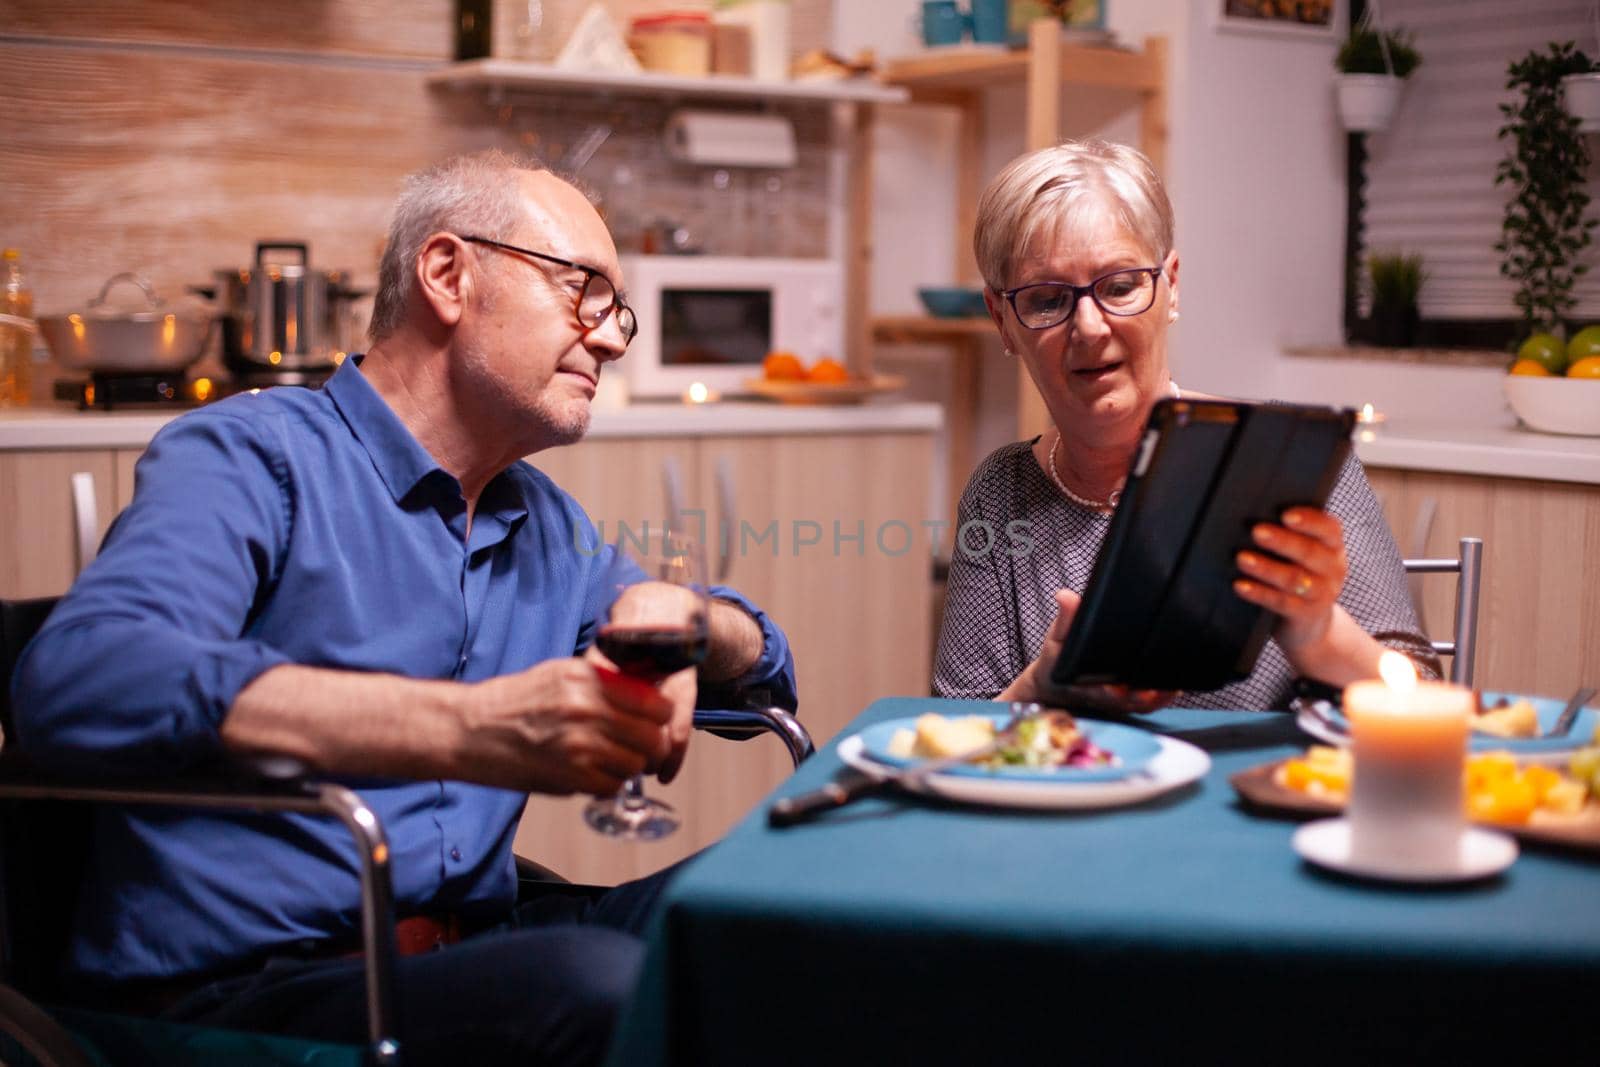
700,393
1409,740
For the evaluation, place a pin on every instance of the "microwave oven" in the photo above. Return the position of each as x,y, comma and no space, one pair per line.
713,319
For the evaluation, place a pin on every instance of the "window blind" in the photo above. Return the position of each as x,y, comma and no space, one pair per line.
1430,176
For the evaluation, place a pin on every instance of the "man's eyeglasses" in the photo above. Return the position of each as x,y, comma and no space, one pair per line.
1130,291
598,298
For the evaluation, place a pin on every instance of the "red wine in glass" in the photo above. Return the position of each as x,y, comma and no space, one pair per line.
653,652
650,639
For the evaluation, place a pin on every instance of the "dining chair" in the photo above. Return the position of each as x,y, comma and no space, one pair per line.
1467,566
45,834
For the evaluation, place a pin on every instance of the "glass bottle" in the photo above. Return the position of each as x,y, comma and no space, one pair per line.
622,210
16,340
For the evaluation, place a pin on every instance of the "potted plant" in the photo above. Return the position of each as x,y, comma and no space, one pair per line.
1373,64
1396,281
1545,228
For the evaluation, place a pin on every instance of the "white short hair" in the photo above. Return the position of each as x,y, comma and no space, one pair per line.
1047,189
467,194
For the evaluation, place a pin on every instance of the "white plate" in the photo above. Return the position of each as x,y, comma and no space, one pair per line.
1528,749
1482,853
1177,764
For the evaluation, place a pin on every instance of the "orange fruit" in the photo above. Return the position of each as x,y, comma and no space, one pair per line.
1531,368
1587,367
783,366
828,370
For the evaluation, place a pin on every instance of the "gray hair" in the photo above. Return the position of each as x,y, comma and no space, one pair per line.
1051,187
470,194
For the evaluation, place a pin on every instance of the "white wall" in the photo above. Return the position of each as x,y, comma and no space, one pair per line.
1256,172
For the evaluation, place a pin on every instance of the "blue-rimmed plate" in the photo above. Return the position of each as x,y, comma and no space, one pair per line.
1132,748
1548,710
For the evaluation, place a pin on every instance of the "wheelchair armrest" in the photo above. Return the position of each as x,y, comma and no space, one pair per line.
743,725
266,783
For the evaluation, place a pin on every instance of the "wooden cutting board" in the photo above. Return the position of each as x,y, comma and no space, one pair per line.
1260,791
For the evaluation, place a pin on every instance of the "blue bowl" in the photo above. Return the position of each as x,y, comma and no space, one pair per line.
954,302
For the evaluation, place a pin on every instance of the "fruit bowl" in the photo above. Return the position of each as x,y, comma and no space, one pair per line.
954,302
1556,405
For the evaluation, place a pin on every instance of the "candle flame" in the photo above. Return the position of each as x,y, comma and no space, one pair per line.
1397,671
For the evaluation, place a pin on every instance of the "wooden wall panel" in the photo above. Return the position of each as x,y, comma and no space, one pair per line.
420,29
123,160
1537,631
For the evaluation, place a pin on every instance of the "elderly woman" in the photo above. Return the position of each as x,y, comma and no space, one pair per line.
1076,249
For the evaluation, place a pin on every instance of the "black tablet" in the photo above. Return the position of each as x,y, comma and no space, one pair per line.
1159,611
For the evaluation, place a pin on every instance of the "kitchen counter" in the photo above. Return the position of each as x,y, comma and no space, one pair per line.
61,427
1497,448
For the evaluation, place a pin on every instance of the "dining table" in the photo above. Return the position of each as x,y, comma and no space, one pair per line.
1184,928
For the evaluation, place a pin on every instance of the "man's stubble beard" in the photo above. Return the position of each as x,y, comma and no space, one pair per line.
544,417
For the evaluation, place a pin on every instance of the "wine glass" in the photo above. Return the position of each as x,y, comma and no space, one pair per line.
649,633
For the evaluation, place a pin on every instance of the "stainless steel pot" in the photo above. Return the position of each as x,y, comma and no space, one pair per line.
156,338
282,320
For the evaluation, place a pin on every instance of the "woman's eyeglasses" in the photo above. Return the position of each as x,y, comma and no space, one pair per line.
597,300
1130,291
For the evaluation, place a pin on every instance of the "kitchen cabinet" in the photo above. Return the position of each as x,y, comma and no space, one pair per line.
1049,64
39,553
827,534
1538,629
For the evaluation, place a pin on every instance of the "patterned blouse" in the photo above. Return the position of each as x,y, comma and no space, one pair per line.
1000,601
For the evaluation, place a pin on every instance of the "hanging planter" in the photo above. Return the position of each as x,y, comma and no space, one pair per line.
1580,95
1367,102
1580,90
1373,64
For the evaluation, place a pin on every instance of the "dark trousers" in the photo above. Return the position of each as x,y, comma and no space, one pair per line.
544,988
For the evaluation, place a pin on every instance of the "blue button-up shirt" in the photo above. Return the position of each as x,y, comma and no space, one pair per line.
309,527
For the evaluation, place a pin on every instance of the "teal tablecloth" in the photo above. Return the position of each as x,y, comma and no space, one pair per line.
901,930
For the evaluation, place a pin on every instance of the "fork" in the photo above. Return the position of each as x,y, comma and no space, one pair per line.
1569,714
787,811
1314,715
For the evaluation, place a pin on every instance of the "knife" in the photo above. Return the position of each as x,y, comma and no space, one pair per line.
1569,714
787,811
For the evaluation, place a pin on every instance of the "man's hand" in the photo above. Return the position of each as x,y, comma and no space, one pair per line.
679,688
574,725
1034,683
650,601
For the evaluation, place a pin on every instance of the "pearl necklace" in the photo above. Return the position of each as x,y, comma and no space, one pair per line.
1109,502
1093,505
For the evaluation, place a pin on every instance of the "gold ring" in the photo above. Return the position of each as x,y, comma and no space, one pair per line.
1302,585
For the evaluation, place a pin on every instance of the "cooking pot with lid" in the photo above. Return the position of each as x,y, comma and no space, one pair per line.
282,321
151,337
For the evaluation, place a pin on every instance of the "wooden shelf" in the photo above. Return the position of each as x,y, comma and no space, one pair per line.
502,74
902,328
958,77
933,74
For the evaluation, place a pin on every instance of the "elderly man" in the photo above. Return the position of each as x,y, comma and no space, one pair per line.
368,578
